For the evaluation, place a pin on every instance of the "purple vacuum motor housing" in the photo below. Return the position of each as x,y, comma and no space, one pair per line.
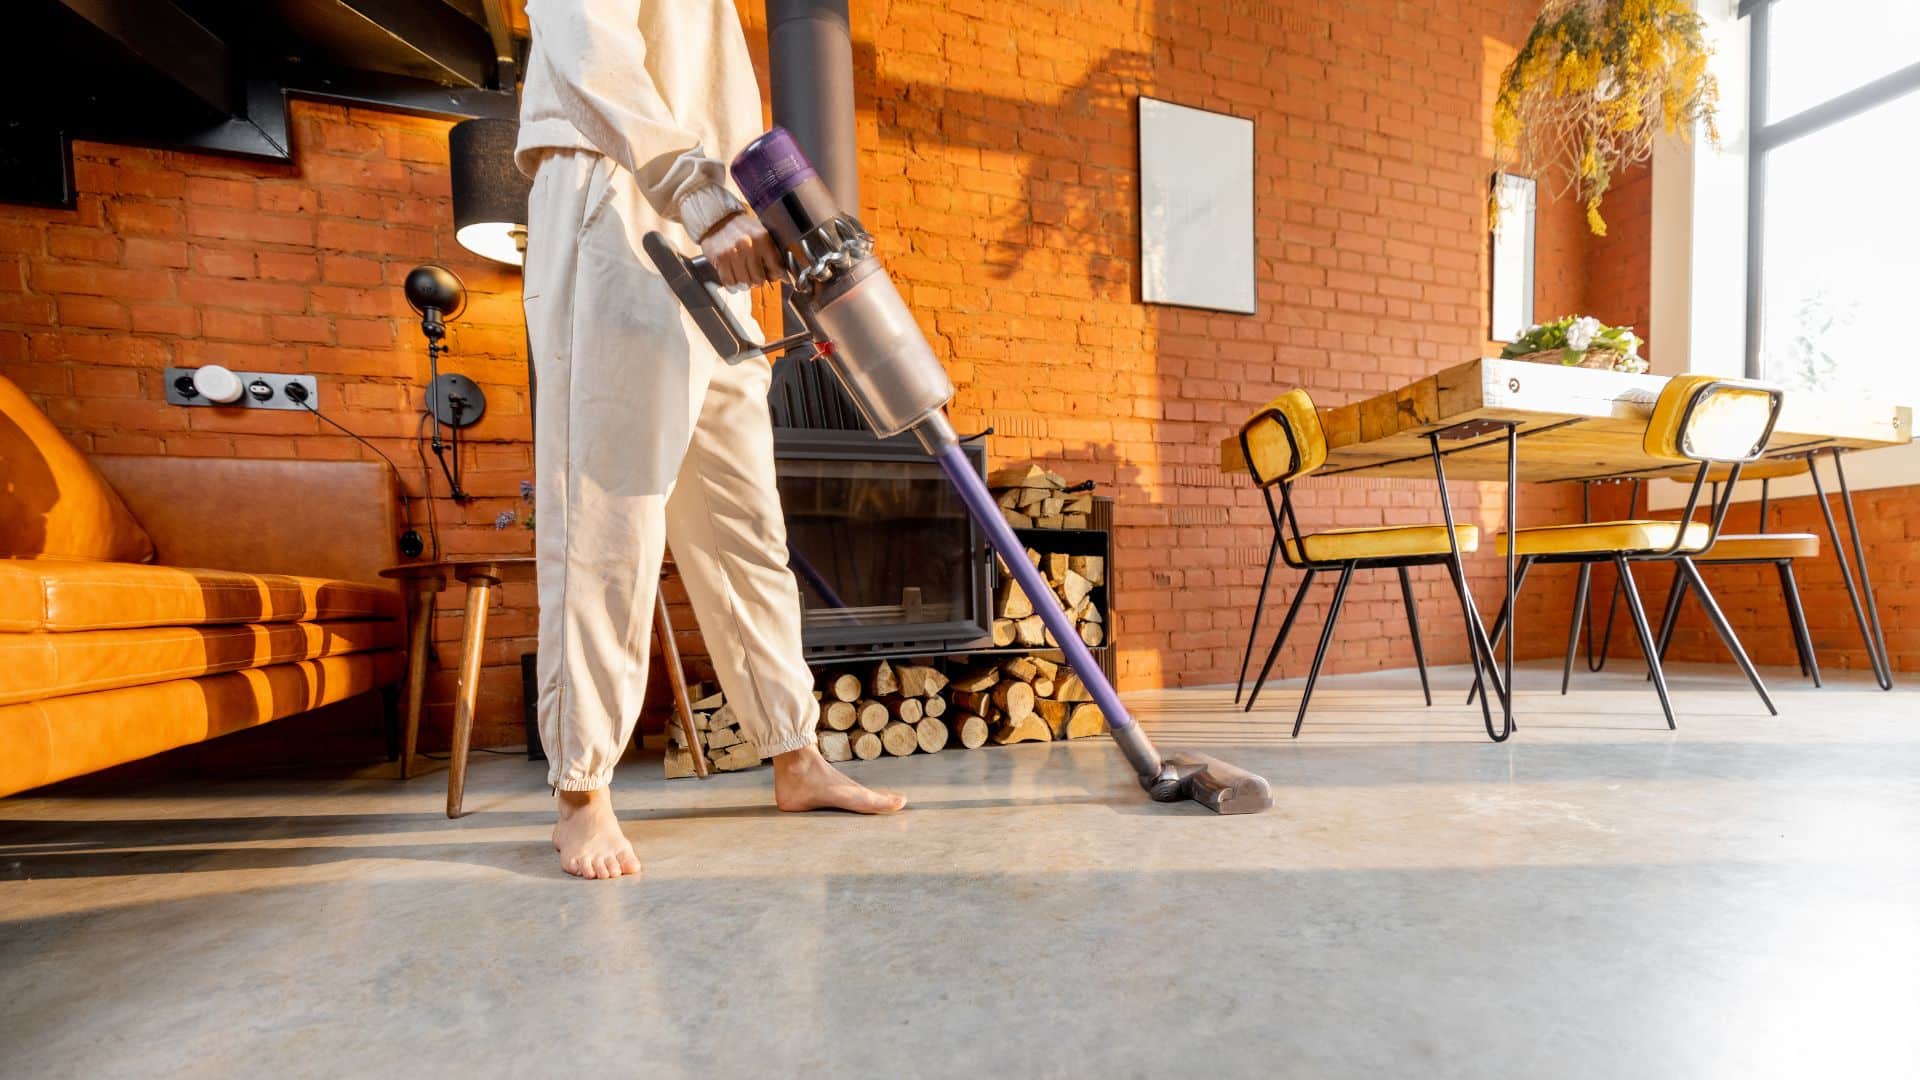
771,166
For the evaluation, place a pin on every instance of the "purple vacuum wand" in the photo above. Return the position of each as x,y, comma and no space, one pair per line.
860,326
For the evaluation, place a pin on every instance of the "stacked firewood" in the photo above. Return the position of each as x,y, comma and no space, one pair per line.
1035,498
726,747
1073,578
885,708
1028,699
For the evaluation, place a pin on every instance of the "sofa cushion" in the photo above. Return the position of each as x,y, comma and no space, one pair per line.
43,665
67,736
53,503
45,594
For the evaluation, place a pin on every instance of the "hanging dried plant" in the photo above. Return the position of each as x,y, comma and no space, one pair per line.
1595,82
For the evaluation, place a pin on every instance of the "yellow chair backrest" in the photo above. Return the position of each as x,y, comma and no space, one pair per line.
1709,418
1273,456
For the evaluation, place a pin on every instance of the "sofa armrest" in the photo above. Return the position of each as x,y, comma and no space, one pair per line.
331,519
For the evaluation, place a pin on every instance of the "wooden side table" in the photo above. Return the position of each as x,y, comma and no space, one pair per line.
481,576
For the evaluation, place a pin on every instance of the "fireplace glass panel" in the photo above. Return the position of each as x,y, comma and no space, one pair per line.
883,551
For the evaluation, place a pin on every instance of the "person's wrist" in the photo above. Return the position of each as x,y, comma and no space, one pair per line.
718,225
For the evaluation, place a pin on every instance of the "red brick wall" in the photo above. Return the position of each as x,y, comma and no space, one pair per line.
1620,264
998,163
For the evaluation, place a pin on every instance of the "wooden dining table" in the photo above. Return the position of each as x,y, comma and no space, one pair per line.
1514,421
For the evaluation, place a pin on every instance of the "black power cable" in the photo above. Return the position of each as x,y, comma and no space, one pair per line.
298,394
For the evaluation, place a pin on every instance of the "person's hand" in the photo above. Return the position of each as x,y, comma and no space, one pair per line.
741,253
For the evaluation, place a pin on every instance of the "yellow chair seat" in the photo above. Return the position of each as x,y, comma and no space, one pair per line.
1392,542
1763,546
1604,537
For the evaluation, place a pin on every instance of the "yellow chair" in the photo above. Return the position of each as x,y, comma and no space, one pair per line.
1756,549
1703,419
1283,442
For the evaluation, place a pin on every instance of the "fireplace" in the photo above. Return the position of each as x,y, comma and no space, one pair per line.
887,560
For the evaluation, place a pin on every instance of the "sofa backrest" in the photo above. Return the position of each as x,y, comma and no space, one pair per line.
334,519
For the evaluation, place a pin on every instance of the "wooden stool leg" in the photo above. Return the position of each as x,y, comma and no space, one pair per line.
682,705
479,591
420,639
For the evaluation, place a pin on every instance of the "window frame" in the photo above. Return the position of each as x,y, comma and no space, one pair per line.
1764,137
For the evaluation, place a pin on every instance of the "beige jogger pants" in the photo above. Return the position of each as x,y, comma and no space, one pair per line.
645,437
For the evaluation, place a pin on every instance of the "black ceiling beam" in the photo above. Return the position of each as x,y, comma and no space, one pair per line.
506,71
455,47
170,42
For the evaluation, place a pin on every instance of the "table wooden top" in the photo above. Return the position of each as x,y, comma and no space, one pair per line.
456,567
1574,423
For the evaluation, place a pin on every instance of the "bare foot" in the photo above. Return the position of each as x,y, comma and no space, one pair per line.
589,839
802,780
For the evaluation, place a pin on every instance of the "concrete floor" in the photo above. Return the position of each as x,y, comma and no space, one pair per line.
1599,897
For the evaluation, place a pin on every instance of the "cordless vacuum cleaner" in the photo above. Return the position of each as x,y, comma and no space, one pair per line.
857,323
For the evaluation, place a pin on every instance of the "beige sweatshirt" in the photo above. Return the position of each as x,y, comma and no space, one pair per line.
665,88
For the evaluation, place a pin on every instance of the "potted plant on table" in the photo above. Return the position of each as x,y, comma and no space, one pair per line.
1580,341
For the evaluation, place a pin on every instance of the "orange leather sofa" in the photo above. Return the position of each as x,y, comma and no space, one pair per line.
151,602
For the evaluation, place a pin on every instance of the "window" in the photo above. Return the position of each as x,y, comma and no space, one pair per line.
1833,275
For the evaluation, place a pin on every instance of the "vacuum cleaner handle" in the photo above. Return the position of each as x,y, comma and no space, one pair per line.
699,291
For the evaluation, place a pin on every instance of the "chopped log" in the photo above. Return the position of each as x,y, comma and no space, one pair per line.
707,703
1057,565
702,721
1015,698
844,686
1031,729
722,737
932,735
1043,688
837,715
1047,668
679,764
1075,521
968,730
913,679
936,680
1013,602
1010,498
1087,719
977,679
1017,476
972,701
871,715
907,710
836,746
1050,521
1068,687
734,758
1031,630
882,682
865,745
1003,633
1091,634
935,706
1020,667
1034,558
1017,520
1091,567
723,717
899,739
1079,504
1055,713
1075,588
1092,614
1032,497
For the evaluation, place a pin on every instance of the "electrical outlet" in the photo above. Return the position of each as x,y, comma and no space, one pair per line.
259,390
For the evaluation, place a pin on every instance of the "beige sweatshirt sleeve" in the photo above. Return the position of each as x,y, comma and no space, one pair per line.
597,52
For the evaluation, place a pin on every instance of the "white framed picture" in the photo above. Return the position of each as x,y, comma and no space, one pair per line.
1196,208
1511,288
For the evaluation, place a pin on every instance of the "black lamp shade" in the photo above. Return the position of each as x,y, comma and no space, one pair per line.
489,194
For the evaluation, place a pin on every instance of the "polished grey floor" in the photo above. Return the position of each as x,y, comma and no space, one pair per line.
1597,898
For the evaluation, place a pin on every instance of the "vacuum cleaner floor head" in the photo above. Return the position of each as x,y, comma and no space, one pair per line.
1218,786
